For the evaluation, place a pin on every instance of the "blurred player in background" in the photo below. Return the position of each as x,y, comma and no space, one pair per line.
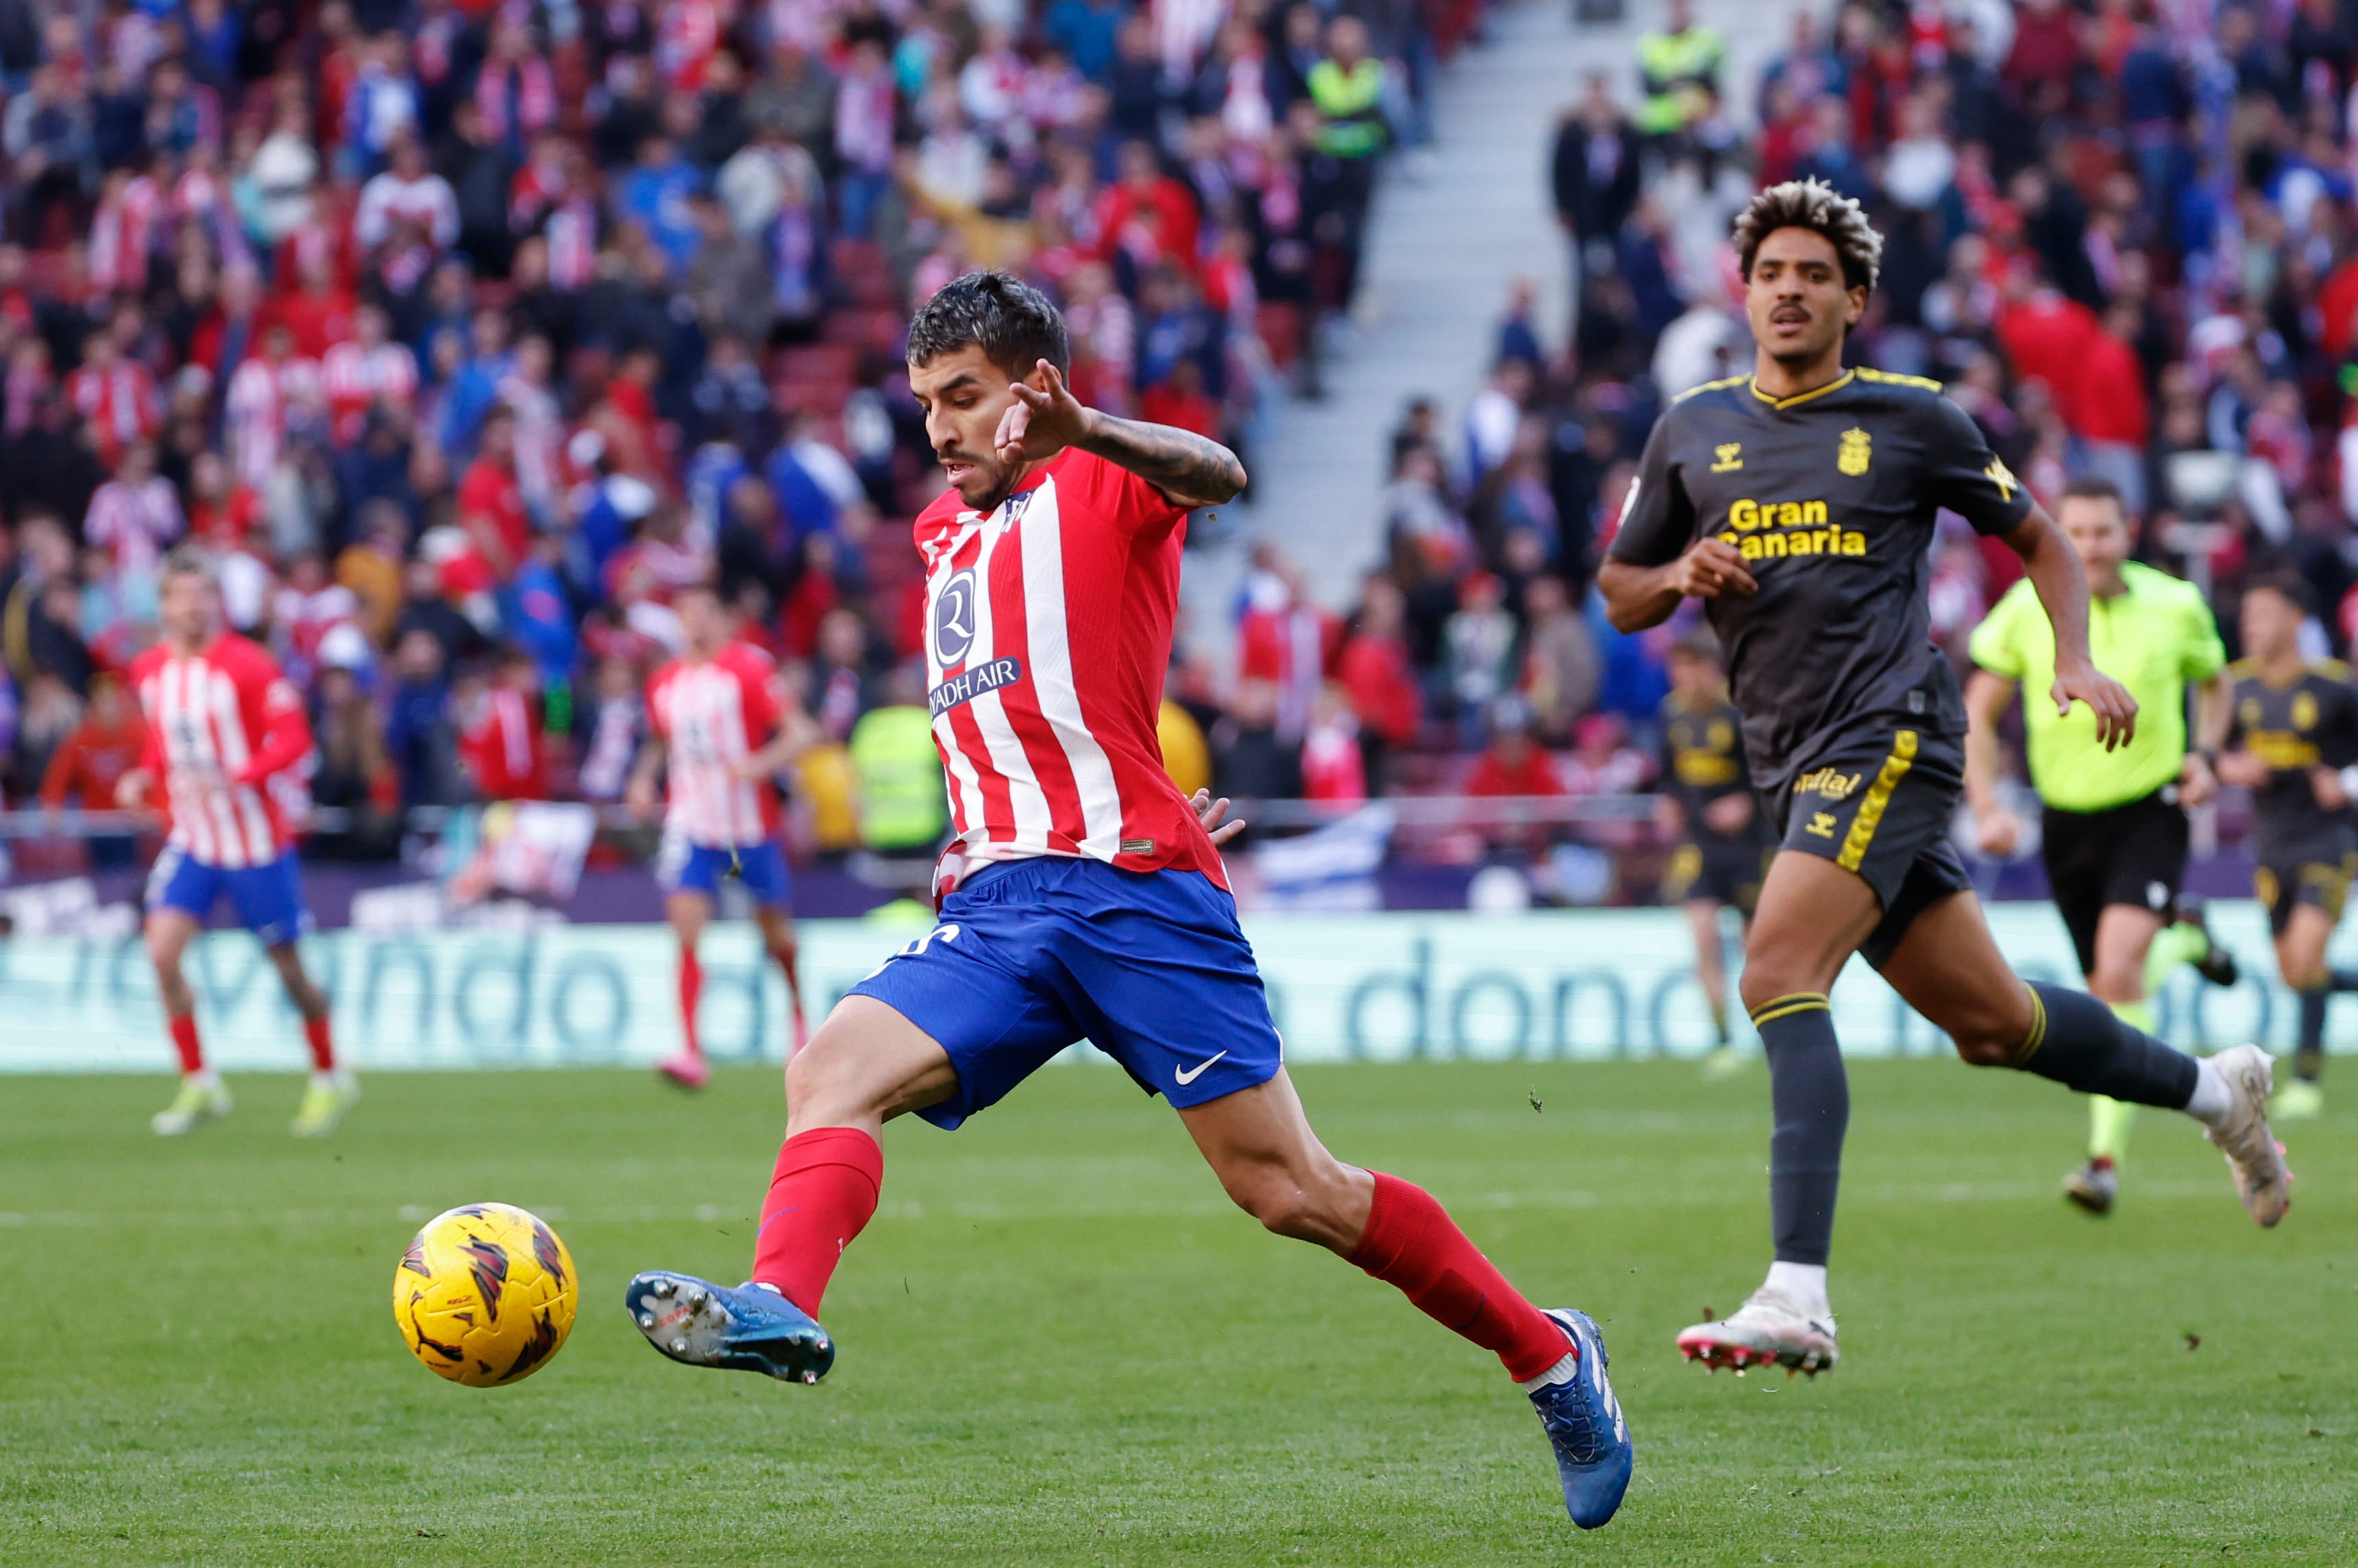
721,726
1083,896
2294,735
2114,832
1799,503
222,724
1706,803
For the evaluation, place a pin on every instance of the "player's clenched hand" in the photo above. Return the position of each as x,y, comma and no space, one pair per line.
2326,785
1040,424
2242,768
2197,785
2107,698
1211,811
1710,568
131,789
1997,833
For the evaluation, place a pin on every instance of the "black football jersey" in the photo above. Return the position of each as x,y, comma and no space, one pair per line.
2310,724
1832,497
1702,756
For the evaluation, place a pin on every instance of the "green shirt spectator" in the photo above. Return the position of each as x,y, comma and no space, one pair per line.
1679,69
901,806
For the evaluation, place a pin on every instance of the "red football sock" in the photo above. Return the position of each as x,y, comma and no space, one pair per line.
823,1195
1412,1242
183,1026
324,1047
691,986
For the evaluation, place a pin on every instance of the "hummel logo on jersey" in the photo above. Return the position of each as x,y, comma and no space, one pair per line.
964,686
1729,455
1189,1075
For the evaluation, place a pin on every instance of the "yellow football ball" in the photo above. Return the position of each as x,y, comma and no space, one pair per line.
485,1294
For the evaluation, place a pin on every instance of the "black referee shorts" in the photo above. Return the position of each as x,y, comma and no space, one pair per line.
2133,854
1879,803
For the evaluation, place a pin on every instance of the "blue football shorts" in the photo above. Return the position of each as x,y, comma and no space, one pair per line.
683,867
1031,956
269,898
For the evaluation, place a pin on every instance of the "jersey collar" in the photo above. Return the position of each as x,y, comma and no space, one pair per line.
1800,397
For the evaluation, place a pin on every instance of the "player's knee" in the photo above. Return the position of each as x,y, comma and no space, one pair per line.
1770,976
1989,1037
1284,1207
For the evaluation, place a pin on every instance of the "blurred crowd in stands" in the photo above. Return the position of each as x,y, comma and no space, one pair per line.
463,333
2124,234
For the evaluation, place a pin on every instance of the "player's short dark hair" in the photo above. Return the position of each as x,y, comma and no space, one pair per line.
2094,487
1821,209
2290,587
1013,323
189,560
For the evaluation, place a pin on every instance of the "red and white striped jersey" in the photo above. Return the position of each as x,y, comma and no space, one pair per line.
221,727
711,713
260,397
1048,628
120,399
135,523
357,378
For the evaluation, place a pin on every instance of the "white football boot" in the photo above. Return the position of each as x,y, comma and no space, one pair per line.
1770,1329
2243,1135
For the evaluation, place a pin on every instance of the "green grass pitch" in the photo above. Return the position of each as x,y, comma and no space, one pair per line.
1060,1346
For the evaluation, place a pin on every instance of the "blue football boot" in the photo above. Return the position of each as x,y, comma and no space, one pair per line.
747,1328
1593,1451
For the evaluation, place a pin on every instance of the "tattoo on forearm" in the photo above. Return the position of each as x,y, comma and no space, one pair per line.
1186,465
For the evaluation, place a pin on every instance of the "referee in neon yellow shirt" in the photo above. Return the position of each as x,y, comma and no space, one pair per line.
2113,831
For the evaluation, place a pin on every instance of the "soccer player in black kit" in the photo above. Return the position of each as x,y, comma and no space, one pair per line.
1798,502
2293,738
1706,805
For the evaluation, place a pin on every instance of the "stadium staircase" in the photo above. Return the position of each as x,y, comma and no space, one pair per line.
1452,228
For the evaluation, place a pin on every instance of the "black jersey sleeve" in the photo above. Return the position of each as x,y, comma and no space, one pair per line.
1657,517
1964,475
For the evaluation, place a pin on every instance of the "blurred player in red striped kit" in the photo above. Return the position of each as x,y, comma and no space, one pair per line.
724,724
222,722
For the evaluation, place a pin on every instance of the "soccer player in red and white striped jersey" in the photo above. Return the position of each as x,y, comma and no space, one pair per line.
722,724
1086,898
222,726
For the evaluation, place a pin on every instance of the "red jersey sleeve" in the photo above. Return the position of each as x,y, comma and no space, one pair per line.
756,678
1126,502
277,732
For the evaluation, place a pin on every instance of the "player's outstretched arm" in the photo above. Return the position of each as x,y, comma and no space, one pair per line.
1637,597
1988,696
2053,567
1046,418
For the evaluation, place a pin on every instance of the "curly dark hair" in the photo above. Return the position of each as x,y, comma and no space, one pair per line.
1821,209
1011,322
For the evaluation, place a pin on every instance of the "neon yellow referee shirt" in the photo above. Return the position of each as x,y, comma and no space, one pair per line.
2153,637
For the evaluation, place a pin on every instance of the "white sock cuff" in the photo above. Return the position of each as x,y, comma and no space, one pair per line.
2214,1096
1563,1371
1803,1284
